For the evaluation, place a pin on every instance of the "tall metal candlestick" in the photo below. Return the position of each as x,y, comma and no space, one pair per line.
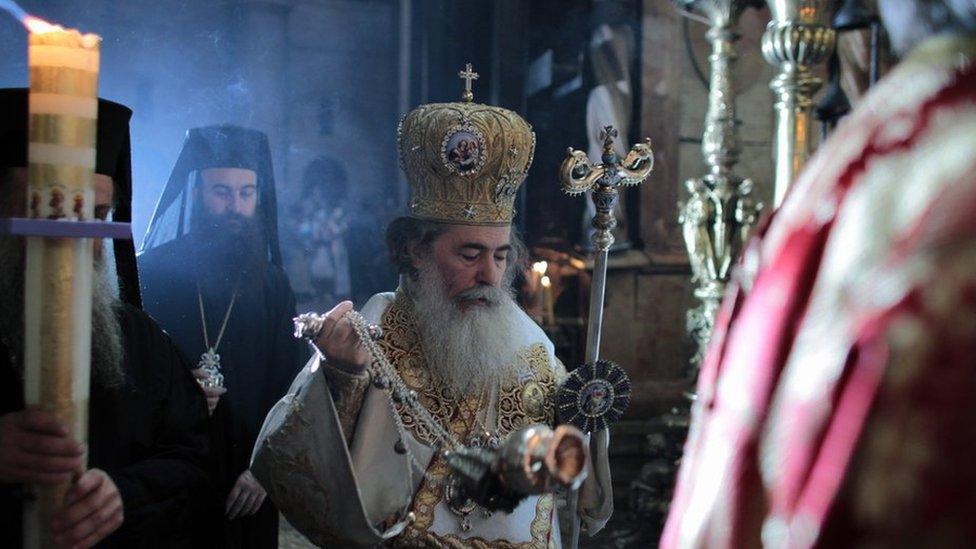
720,209
797,37
63,106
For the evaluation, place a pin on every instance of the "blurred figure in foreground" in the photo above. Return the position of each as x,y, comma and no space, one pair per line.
835,405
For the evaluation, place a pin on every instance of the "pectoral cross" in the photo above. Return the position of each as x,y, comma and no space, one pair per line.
468,75
210,362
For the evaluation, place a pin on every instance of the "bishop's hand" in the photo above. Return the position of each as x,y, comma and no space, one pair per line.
339,342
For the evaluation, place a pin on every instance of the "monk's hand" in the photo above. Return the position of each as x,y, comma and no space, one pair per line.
37,448
245,497
91,511
212,393
339,342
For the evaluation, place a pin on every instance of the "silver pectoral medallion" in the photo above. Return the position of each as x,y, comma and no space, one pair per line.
210,362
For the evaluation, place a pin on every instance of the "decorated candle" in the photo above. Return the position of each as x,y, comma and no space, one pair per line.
63,107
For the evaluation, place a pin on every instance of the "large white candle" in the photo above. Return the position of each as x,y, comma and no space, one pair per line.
63,109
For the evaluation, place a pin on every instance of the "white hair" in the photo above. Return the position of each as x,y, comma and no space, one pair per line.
106,343
466,350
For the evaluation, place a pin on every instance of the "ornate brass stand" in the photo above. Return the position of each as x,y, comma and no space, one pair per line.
797,37
720,209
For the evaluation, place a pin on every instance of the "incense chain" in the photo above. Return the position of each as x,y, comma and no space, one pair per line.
385,376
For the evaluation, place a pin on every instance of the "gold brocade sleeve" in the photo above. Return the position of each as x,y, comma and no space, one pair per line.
348,391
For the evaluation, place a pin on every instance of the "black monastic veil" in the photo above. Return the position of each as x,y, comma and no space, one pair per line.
221,146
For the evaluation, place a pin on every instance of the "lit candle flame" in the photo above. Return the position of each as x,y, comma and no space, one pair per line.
540,267
546,282
37,25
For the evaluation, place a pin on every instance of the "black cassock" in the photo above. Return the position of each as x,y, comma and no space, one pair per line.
149,435
259,358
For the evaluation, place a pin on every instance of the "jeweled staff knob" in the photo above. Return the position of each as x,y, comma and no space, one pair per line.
578,175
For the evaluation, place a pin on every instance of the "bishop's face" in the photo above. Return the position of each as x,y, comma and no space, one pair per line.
229,193
468,256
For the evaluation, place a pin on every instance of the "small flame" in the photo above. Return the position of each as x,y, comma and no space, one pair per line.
546,282
37,25
540,267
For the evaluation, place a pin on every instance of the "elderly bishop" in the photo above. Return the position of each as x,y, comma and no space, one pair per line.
349,466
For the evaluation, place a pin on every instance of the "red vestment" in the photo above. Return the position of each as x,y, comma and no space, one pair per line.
837,403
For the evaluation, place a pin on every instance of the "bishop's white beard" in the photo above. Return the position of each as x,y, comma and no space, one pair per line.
471,350
106,343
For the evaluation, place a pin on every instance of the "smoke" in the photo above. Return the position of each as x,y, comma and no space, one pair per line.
13,9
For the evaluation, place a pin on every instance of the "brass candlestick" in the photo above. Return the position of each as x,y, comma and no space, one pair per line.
720,209
797,37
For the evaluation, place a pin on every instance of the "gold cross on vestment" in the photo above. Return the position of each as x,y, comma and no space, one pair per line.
468,75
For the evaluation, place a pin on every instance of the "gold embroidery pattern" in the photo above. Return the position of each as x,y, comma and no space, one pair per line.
483,196
430,494
515,407
350,391
291,475
401,344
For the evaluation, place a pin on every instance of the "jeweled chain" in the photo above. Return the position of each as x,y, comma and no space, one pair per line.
385,377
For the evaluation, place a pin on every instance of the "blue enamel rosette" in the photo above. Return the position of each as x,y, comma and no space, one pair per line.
594,396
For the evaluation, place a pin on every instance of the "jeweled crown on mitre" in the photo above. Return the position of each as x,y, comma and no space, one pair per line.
464,161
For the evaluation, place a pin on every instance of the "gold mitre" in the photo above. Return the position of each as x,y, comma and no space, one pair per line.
464,161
